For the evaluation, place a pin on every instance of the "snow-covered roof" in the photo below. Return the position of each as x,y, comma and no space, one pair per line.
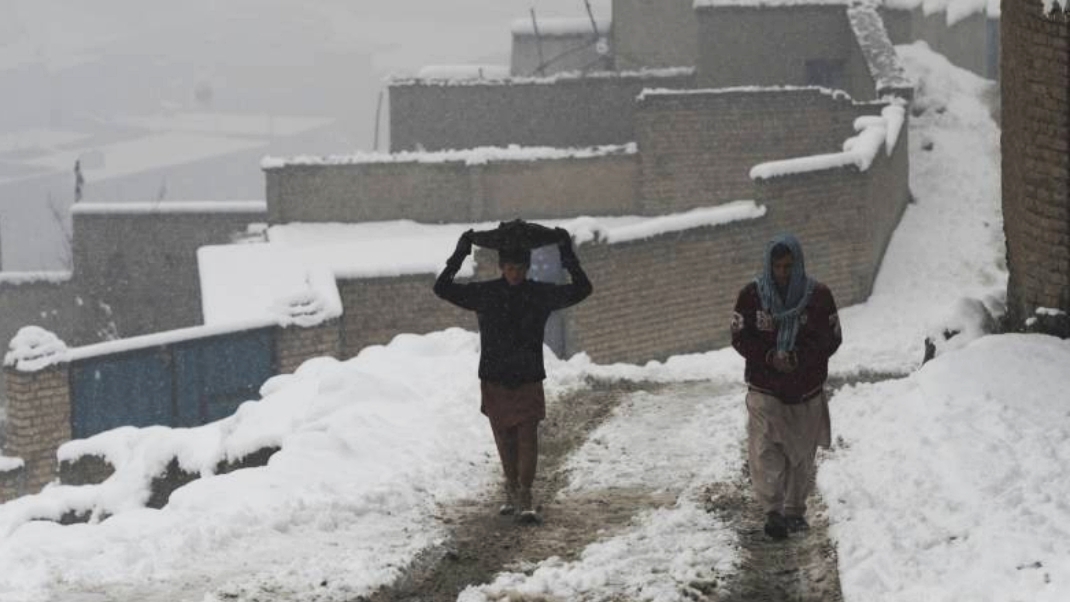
565,76
170,207
874,133
560,26
242,281
474,156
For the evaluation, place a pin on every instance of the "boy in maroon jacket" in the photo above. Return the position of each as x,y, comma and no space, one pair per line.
786,326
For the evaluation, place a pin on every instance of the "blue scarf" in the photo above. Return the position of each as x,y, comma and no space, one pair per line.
785,311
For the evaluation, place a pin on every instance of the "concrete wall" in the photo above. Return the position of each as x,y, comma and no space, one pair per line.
559,112
654,34
453,191
136,273
1036,158
738,47
697,149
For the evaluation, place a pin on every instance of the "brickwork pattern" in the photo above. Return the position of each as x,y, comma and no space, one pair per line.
453,192
697,149
570,112
1036,157
38,420
295,344
377,309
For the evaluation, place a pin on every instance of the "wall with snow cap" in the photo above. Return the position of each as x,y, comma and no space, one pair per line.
885,69
46,299
475,185
123,281
795,45
562,111
697,147
1036,160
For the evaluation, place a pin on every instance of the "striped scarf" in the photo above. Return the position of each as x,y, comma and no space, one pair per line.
785,311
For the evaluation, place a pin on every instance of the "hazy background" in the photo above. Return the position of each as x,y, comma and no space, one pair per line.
169,100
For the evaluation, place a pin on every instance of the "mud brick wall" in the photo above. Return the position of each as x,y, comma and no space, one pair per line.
377,309
453,191
557,112
38,420
295,344
1036,157
697,149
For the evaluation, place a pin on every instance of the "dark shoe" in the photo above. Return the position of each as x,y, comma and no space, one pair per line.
796,523
775,525
528,515
509,503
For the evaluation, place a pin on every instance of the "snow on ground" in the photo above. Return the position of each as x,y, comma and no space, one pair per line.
947,484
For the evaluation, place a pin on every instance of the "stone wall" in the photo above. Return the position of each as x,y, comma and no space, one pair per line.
1036,158
453,191
697,149
583,111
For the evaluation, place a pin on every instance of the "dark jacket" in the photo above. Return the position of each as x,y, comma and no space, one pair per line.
512,320
754,337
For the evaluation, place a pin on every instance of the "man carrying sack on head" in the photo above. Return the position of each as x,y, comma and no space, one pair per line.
786,326
512,312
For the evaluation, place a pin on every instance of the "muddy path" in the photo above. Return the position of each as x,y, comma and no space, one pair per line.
484,544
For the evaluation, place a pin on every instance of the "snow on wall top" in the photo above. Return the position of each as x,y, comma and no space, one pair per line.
8,464
170,207
560,26
54,277
667,92
650,73
859,151
473,156
33,348
956,10
884,65
495,72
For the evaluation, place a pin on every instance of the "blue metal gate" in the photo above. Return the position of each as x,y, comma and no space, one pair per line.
182,384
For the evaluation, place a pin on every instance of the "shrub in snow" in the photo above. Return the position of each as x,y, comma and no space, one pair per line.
967,320
34,348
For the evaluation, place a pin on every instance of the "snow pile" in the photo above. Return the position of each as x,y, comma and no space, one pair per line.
951,484
33,348
473,156
874,133
8,464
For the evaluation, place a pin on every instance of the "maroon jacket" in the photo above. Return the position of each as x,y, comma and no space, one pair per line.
754,337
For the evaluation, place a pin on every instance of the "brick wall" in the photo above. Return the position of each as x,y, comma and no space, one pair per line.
697,149
557,112
38,420
1036,157
295,344
454,191
377,309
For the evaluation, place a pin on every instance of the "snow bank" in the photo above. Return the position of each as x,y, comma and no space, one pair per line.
951,484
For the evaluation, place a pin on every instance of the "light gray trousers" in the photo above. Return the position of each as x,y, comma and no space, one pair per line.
782,442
